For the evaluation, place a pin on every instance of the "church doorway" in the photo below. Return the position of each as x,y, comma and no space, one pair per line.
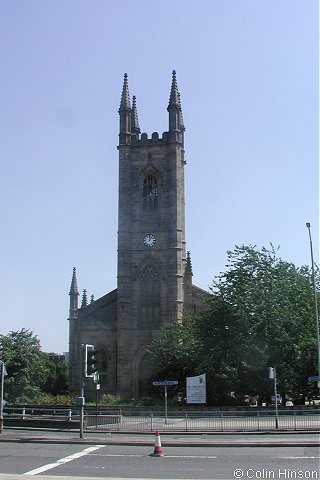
146,374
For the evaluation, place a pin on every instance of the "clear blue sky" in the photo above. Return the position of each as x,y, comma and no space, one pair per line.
247,72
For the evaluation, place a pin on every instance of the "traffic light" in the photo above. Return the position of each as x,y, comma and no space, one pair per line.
91,357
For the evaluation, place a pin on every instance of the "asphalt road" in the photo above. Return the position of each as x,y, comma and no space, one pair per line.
178,463
20,459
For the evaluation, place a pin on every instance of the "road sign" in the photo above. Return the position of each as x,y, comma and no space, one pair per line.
165,382
313,378
3,370
158,383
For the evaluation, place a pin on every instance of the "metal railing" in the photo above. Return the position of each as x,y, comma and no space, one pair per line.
67,414
219,422
214,421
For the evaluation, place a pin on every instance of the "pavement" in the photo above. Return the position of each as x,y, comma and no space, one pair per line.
14,476
309,438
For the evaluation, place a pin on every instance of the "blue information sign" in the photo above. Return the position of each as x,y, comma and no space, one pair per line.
165,382
314,378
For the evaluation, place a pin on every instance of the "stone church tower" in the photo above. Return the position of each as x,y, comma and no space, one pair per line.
154,271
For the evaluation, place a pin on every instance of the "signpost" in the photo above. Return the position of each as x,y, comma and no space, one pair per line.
96,378
313,378
165,383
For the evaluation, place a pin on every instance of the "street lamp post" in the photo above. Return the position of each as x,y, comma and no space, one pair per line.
2,373
315,302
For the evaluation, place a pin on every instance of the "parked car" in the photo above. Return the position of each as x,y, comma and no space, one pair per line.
313,401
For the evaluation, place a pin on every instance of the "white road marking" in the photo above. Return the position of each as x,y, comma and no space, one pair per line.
302,457
191,456
63,460
146,455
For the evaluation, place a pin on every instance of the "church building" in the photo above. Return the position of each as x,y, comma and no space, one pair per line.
154,282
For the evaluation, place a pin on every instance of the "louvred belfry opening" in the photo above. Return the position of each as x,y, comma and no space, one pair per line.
150,193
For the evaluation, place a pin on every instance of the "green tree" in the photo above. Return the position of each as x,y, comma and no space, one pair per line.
25,364
271,306
260,314
56,382
175,350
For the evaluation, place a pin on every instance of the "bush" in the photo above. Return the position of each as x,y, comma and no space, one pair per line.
48,399
113,400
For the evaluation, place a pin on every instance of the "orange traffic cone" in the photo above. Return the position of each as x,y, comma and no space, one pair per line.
157,452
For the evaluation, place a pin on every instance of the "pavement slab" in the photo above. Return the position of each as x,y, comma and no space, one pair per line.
306,439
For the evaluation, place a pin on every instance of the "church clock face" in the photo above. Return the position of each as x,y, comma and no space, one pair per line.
149,240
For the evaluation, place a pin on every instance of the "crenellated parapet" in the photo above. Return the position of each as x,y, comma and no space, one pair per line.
154,140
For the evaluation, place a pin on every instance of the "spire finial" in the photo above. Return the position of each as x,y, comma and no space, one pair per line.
74,284
84,302
92,299
125,97
135,128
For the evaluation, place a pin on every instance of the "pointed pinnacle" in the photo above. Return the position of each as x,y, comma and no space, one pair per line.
174,100
181,115
134,116
125,97
188,264
74,285
84,302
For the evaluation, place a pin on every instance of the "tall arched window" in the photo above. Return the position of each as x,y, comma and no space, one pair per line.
150,193
150,298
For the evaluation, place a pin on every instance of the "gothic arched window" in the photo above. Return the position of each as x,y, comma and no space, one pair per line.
150,193
150,297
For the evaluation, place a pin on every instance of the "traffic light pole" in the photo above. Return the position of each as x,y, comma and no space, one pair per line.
81,398
88,369
273,376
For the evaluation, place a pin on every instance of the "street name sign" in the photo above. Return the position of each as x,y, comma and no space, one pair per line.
165,382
